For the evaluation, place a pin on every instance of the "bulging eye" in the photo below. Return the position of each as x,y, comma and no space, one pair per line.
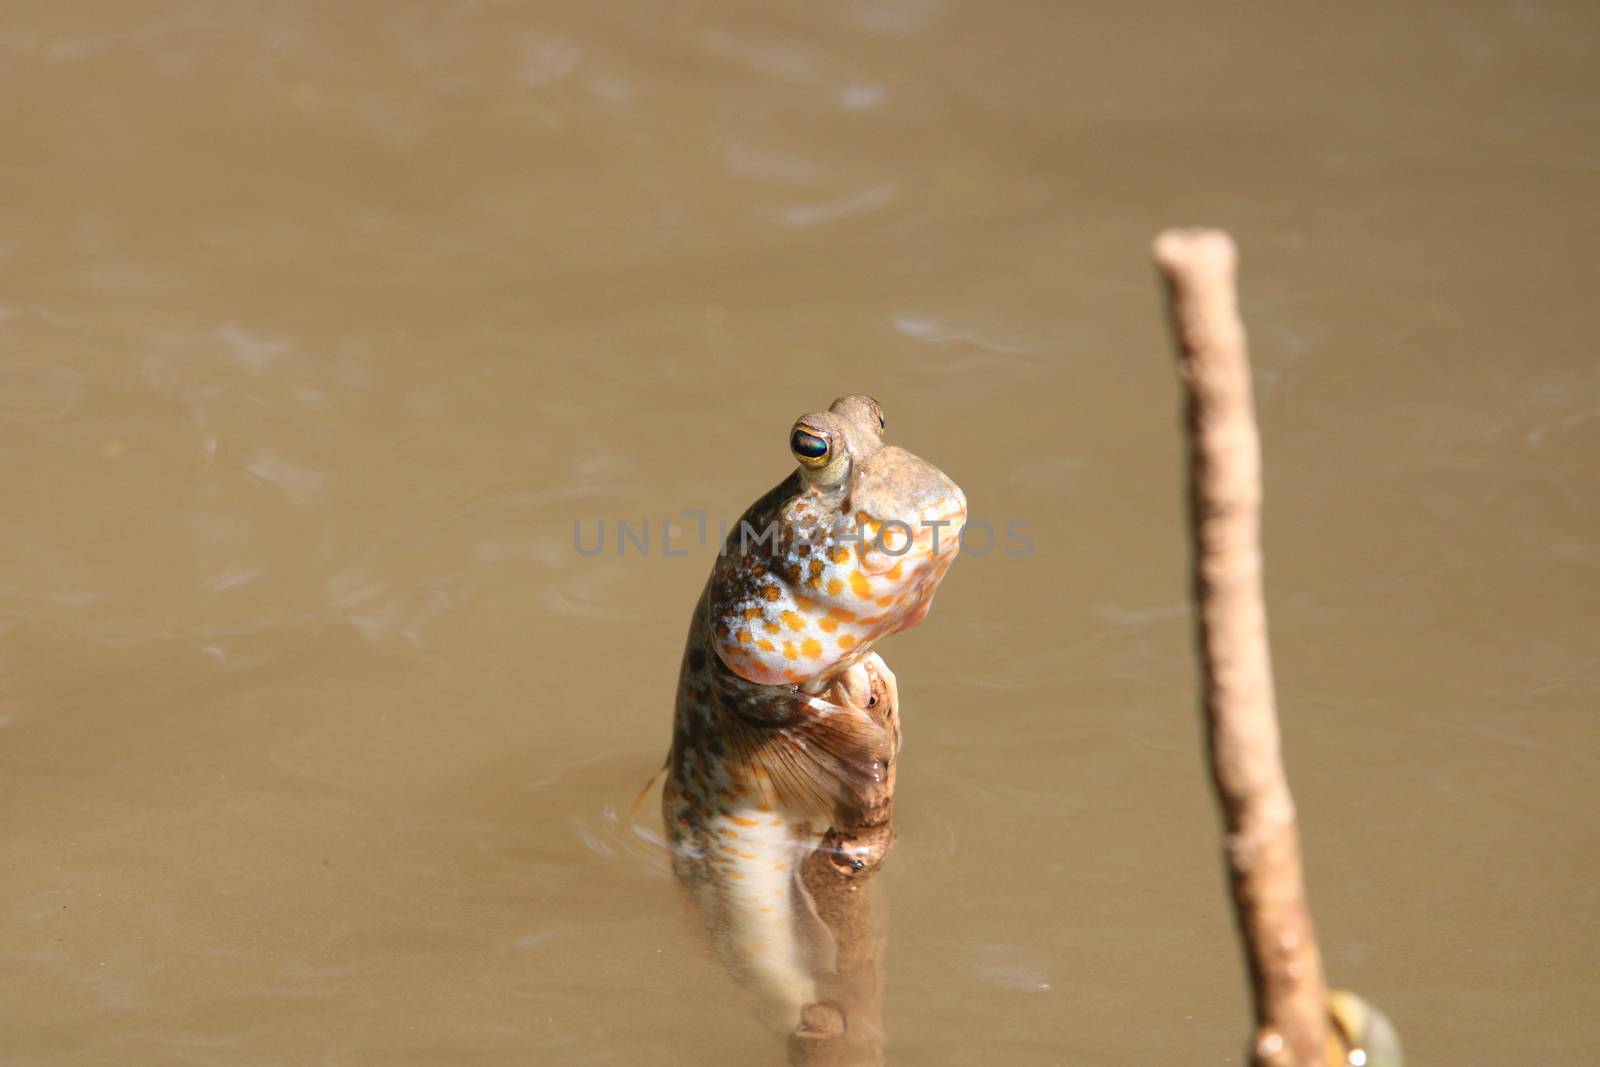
809,448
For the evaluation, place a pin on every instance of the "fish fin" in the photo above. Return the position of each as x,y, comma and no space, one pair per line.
833,755
633,809
814,932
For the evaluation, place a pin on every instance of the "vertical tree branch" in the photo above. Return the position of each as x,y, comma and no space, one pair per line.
1261,843
845,1026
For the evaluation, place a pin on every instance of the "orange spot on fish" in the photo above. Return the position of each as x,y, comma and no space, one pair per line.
839,554
765,645
793,621
847,641
829,625
805,603
744,637
737,821
841,615
811,648
789,651
770,593
835,587
893,573
753,613
860,586
884,601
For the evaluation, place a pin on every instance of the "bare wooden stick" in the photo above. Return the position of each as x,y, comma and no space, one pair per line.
1261,842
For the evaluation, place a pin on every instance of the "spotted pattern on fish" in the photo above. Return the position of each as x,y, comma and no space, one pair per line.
773,737
834,581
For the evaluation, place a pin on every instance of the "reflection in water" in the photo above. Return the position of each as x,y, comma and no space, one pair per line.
320,325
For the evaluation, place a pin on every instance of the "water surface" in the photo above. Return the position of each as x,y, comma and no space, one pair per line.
321,325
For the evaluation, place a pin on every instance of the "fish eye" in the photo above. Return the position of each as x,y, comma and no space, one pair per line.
882,426
809,448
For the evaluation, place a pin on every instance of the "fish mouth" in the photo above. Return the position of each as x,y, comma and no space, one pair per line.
947,523
934,535
933,554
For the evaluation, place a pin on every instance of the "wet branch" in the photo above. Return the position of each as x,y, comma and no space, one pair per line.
1261,842
845,1025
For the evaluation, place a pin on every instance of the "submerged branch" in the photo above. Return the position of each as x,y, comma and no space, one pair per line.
845,1025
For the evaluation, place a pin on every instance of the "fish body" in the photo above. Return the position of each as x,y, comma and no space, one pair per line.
778,731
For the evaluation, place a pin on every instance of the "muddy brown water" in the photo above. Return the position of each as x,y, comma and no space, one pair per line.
321,326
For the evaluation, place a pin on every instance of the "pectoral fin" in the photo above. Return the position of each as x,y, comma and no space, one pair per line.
833,755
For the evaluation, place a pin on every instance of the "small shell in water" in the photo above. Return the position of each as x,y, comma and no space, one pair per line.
1360,1035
